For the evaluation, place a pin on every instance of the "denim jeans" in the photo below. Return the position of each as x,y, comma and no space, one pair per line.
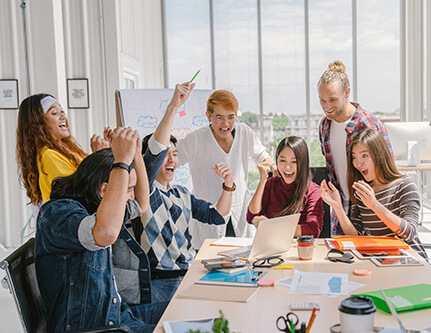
162,290
142,318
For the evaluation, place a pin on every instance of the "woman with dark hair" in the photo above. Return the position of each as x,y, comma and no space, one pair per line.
45,148
75,231
291,192
385,203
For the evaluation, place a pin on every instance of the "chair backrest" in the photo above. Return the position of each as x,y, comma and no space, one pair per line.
22,283
318,174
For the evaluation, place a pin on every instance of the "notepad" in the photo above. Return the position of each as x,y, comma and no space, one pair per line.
408,298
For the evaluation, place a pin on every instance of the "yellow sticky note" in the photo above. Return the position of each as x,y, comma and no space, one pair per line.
284,266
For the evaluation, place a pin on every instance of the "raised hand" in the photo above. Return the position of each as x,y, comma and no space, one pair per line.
330,194
138,153
181,94
366,193
223,171
98,143
107,134
264,169
123,144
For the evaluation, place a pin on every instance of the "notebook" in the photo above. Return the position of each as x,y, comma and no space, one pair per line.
273,236
407,298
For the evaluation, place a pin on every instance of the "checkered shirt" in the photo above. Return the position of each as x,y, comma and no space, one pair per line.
166,237
360,120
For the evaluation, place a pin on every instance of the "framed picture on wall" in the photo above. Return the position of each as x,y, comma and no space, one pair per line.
77,94
9,94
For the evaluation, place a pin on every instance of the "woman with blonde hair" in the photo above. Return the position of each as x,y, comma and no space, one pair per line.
45,148
384,202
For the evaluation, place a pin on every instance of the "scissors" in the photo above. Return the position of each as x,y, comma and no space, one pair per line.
288,322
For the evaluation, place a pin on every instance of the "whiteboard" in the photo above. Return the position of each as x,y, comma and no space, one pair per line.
143,109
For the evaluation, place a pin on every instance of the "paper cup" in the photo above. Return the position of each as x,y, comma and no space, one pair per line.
357,315
305,247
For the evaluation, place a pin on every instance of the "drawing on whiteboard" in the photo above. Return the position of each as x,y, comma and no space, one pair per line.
200,121
164,104
147,122
182,175
180,133
143,109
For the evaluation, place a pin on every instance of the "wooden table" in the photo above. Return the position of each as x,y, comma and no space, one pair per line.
260,313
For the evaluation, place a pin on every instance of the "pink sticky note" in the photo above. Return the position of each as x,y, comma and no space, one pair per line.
182,113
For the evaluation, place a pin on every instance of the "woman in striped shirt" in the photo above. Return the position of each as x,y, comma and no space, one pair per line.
384,202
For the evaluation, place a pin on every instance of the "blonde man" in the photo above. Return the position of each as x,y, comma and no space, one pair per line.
343,119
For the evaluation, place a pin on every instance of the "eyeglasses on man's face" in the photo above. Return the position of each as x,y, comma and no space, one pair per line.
229,118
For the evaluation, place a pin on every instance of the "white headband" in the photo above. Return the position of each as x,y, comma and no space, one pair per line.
46,102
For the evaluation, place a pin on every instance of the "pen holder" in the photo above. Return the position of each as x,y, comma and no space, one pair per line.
305,247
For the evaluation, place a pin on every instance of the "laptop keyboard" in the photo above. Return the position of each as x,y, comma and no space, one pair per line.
241,252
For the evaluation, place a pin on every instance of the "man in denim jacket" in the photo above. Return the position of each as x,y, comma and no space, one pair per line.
75,231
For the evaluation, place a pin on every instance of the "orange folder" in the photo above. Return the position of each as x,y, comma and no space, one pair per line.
361,243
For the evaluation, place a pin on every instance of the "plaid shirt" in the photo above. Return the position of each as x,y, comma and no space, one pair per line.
360,120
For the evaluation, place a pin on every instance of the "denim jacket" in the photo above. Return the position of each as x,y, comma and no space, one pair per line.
74,274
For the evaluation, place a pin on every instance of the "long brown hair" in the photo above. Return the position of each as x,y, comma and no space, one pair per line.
384,164
303,174
32,134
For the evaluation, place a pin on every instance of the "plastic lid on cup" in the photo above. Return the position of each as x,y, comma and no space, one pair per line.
306,239
357,305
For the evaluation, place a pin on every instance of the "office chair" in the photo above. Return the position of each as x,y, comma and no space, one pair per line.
21,281
318,174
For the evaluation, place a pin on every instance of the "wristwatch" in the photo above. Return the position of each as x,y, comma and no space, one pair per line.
229,189
121,165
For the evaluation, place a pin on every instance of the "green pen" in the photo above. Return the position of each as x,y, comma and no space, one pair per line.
195,76
292,327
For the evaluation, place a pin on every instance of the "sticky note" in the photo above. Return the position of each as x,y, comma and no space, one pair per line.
182,113
284,266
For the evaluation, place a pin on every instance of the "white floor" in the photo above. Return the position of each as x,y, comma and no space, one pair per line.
10,321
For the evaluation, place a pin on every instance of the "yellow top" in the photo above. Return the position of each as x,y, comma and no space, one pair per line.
52,165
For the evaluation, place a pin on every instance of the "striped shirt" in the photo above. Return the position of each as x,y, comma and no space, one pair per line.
402,199
360,120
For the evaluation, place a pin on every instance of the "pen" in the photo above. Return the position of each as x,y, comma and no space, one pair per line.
292,327
303,328
195,76
313,315
310,323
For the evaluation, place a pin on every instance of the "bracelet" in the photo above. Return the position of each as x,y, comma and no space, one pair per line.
229,189
121,165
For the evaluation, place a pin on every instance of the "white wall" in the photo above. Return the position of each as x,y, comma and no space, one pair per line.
94,39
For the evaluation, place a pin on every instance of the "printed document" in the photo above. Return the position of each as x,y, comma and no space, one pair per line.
313,283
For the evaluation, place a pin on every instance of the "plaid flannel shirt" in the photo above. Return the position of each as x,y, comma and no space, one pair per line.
360,120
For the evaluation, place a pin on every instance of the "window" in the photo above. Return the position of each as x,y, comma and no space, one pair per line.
364,34
379,57
188,41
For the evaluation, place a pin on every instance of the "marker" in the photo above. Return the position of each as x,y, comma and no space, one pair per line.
312,317
195,76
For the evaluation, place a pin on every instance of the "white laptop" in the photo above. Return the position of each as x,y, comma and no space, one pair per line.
273,236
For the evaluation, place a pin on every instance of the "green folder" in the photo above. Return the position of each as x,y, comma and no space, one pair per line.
408,298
